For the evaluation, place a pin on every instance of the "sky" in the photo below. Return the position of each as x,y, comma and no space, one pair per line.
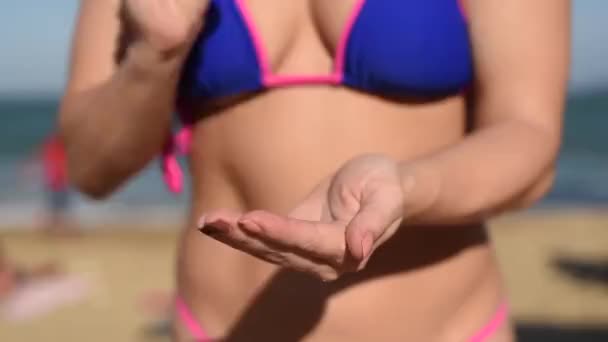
35,37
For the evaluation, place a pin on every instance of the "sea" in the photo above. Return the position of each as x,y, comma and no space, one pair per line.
582,169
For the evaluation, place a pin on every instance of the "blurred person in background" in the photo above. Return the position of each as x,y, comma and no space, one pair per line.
26,293
365,143
52,160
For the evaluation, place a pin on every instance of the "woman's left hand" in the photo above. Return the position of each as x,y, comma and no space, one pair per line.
333,231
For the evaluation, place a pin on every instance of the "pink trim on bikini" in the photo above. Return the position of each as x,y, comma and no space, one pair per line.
172,173
256,38
340,57
183,140
187,318
177,144
271,80
492,327
196,330
274,81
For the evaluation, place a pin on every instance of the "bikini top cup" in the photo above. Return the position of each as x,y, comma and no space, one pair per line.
391,47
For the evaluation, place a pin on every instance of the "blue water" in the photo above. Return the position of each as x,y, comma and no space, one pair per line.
582,166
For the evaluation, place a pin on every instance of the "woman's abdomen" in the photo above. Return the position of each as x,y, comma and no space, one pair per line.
267,153
276,146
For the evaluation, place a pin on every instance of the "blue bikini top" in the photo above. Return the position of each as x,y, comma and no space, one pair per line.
389,47
415,48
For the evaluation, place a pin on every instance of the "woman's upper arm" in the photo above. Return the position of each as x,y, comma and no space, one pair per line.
521,50
94,44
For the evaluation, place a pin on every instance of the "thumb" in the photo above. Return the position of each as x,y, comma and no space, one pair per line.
374,217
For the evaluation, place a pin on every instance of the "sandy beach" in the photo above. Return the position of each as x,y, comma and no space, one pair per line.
124,261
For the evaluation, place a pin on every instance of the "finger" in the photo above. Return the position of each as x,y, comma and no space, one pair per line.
222,226
317,239
223,220
276,255
375,216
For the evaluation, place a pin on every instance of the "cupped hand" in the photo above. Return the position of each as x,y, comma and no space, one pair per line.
334,230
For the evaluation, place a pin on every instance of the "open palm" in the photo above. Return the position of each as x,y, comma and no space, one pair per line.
333,230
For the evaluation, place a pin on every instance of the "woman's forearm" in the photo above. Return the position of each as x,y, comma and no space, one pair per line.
113,130
508,165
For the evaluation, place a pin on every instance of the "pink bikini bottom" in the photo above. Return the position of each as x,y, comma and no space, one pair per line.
198,333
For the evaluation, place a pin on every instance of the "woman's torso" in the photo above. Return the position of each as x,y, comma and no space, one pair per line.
269,149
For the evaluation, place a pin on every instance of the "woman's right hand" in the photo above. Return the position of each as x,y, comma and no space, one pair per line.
163,25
